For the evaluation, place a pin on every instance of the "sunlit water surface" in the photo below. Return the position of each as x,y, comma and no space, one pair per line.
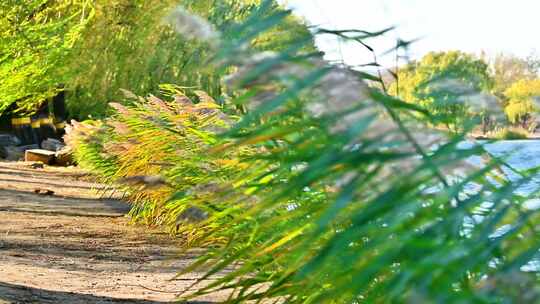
521,155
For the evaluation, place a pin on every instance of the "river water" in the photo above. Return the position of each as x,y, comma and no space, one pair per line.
521,155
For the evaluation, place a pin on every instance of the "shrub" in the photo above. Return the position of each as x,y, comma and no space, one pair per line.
509,133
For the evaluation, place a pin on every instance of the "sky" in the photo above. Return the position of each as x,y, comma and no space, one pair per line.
491,26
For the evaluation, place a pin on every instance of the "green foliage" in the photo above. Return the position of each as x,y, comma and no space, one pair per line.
442,83
451,86
132,45
521,102
333,196
98,47
36,39
509,133
153,137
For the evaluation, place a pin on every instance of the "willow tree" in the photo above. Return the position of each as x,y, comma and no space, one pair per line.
132,45
36,40
521,101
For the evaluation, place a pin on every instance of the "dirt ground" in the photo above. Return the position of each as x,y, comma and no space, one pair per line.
65,244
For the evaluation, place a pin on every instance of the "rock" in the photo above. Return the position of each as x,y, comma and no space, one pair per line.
44,192
64,157
28,147
11,153
192,215
38,165
39,155
3,152
9,140
52,144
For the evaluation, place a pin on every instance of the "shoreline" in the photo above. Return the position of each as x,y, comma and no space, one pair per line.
485,137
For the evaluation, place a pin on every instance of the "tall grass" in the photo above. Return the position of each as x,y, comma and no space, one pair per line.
166,140
317,188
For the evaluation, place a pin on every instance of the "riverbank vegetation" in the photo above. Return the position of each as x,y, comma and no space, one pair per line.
224,125
509,133
452,85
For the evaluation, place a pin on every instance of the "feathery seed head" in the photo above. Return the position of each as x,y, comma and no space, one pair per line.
192,26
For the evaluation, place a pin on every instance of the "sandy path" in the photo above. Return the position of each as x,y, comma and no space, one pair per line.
71,247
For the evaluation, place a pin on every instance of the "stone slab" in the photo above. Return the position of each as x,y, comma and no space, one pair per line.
39,155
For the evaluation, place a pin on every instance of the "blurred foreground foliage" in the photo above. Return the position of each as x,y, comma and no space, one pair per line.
313,187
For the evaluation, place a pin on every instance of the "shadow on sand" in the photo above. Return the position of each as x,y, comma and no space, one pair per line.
10,293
